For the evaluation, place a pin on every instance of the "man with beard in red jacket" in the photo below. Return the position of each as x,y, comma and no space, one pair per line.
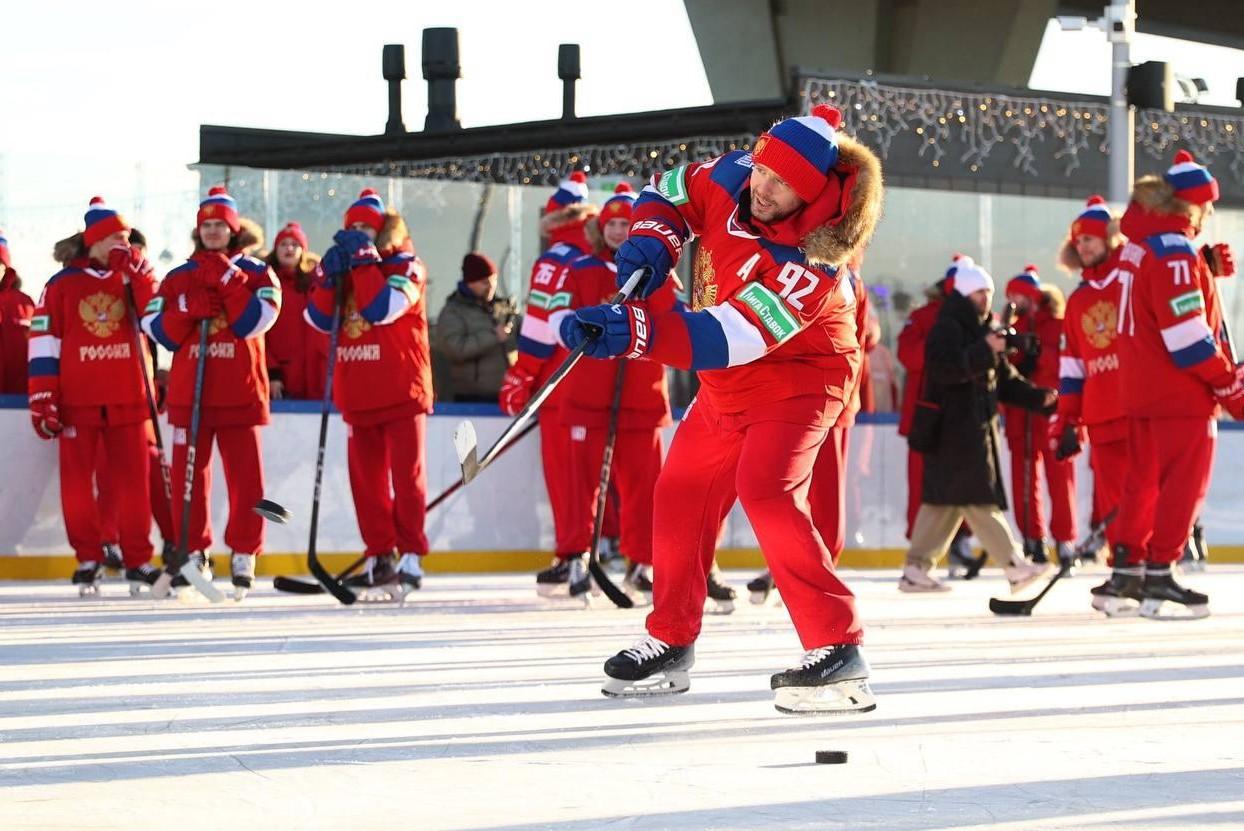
1176,371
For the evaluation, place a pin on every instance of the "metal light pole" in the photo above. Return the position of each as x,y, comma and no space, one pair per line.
1120,23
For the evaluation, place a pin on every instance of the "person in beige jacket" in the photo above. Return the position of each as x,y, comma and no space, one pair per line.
476,331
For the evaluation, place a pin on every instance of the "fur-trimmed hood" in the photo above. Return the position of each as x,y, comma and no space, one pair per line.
70,248
576,214
1154,209
1069,260
248,240
836,243
1053,300
394,236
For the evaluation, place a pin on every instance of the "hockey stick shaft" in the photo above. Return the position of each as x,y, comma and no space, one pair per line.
616,595
153,411
551,384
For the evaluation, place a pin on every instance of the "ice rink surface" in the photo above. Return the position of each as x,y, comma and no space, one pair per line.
477,706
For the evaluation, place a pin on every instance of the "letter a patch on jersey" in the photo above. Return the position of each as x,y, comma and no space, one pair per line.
673,185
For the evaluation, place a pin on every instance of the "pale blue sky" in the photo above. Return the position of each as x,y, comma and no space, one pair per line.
107,98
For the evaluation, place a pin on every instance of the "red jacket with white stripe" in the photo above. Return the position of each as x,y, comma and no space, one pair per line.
82,345
384,364
540,351
1088,365
588,395
1171,350
235,380
771,318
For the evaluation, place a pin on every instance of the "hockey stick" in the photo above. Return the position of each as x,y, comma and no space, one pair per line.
152,411
328,581
619,597
1023,608
295,586
464,436
192,575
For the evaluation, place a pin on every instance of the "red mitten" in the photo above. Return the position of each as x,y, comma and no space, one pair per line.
45,414
516,389
1231,395
127,262
200,303
1220,259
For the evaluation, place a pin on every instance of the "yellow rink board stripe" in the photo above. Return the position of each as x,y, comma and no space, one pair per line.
61,566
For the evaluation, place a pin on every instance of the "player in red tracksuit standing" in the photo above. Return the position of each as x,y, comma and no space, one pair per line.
1039,312
86,388
539,354
297,354
16,309
240,298
772,334
1175,371
1088,364
382,383
587,398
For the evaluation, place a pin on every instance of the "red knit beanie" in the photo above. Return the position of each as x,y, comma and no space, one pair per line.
292,230
477,266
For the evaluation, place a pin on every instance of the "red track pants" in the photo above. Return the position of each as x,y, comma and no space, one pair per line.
86,451
1060,476
766,454
389,480
1170,461
561,481
109,486
636,465
1109,464
828,492
240,456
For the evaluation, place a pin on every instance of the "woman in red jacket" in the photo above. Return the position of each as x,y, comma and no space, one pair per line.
297,354
16,309
382,383
240,297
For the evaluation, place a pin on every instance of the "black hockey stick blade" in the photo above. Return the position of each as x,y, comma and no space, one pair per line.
293,585
1023,608
467,448
272,511
611,591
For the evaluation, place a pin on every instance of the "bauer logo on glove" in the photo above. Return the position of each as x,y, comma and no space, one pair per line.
608,331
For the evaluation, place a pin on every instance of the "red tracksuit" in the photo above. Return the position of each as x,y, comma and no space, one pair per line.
540,353
234,402
584,410
82,350
108,487
911,355
774,338
382,383
297,354
1088,384
1171,359
16,309
1060,476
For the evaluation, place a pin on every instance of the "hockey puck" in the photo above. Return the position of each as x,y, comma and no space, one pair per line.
831,757
268,509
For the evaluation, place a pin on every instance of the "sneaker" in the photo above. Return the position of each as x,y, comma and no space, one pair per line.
915,580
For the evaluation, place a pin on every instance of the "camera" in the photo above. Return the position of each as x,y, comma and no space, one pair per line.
1025,344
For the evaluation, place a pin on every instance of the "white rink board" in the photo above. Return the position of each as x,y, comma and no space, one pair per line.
477,706
506,508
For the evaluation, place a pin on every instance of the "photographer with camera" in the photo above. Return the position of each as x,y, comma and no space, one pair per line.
1035,324
955,426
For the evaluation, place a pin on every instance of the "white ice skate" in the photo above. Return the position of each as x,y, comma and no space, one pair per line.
242,569
829,680
916,580
650,667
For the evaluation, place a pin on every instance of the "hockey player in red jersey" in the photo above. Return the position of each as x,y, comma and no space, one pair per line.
539,354
772,334
382,383
297,354
587,397
240,297
1039,319
1088,374
16,309
1176,370
86,388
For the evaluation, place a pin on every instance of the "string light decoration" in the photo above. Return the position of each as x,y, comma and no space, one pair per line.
548,167
984,125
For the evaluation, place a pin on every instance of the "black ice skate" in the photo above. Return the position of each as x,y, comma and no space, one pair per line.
112,557
720,593
1034,550
579,580
829,680
1195,552
145,575
242,571
410,572
1120,595
650,667
638,583
1160,589
760,587
552,581
378,580
87,577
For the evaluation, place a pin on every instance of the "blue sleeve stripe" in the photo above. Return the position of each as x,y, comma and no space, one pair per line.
1070,386
527,346
318,319
709,348
249,319
378,308
43,367
1192,355
162,338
